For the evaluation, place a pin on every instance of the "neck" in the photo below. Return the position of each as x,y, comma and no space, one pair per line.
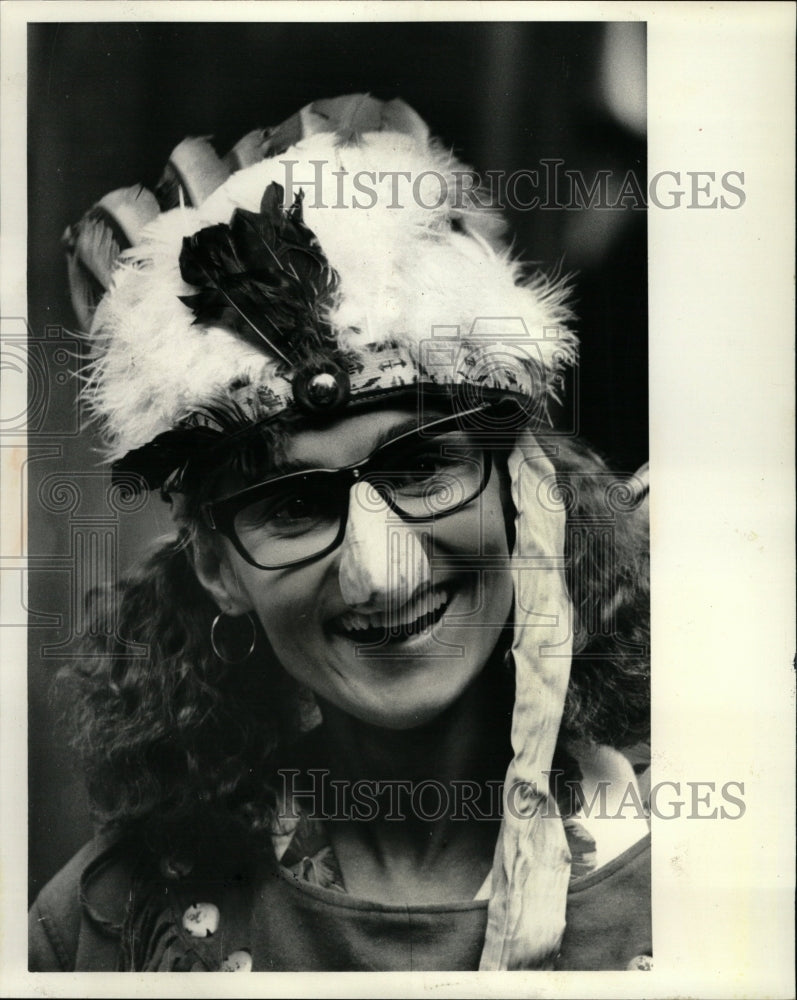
413,834
469,741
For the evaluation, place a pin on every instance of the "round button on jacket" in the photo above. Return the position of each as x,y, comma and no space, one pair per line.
237,961
201,920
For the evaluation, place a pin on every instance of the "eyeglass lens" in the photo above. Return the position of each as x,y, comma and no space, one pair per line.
302,515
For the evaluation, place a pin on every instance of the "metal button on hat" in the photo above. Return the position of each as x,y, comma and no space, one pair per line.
237,961
323,389
201,919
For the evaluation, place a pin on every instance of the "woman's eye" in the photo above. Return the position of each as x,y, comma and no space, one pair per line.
280,514
289,510
434,462
429,471
294,509
414,469
426,464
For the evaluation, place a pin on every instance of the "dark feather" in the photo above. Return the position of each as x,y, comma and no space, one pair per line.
264,277
224,414
155,462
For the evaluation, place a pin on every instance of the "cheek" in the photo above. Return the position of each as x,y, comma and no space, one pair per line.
282,601
283,608
286,616
496,520
481,533
499,528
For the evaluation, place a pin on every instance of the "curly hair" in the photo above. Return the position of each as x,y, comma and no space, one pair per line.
175,740
607,553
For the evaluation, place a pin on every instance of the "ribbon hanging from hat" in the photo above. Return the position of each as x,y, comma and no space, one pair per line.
531,868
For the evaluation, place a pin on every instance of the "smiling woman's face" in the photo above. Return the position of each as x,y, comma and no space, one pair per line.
396,622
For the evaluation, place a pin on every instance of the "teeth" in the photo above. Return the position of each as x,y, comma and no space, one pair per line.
354,621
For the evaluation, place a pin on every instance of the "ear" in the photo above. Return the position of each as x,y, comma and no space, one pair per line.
216,572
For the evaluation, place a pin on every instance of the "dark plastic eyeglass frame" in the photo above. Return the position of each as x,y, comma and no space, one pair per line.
220,514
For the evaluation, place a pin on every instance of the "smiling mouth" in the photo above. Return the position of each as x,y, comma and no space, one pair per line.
414,618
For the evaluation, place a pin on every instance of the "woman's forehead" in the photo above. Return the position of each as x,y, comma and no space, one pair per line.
353,438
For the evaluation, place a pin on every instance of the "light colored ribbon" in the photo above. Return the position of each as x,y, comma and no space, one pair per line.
531,868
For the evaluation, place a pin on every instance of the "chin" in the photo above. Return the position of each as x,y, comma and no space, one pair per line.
398,721
407,698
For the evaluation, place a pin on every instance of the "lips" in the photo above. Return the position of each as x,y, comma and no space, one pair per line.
411,619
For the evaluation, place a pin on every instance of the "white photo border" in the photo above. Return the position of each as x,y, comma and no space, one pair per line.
720,97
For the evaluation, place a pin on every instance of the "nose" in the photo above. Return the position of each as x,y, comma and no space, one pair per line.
383,562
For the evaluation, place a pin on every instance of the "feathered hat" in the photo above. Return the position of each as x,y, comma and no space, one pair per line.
319,265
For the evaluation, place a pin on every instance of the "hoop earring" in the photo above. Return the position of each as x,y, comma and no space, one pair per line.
232,661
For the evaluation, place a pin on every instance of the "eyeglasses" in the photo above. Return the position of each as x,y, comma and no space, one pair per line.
424,475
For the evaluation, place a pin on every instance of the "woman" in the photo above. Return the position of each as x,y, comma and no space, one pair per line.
353,738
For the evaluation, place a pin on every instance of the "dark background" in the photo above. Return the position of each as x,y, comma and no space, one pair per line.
107,104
